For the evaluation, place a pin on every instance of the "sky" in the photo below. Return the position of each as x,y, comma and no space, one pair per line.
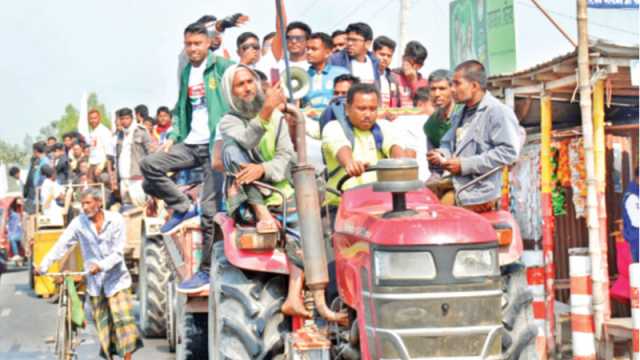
126,50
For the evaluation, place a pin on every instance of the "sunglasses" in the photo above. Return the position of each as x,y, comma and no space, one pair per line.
246,47
296,38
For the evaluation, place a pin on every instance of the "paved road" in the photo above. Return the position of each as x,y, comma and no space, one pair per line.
26,322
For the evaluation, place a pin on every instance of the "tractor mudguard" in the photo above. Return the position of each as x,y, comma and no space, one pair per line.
271,261
513,252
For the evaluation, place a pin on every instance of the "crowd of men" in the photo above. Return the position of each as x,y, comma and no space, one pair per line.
235,123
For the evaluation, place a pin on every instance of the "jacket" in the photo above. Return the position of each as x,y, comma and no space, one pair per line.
342,58
216,106
490,141
140,147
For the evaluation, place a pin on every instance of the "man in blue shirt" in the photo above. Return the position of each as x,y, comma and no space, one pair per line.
321,73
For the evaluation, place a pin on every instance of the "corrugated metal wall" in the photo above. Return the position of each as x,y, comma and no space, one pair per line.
571,232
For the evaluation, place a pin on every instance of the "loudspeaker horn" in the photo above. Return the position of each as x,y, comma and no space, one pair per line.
300,83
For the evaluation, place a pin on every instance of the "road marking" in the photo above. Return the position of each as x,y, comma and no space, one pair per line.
18,293
5,312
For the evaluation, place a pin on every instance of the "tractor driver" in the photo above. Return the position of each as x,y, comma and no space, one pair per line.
484,135
357,140
257,147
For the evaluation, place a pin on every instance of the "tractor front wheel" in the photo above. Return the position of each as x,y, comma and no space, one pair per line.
518,341
245,321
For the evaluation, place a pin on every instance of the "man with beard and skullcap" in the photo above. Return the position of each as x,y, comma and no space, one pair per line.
257,147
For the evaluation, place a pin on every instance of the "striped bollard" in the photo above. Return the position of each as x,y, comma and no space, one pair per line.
582,327
634,279
535,281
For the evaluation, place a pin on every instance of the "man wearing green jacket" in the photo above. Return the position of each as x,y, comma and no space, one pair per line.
189,144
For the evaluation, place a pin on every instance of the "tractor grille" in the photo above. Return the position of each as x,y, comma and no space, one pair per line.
457,320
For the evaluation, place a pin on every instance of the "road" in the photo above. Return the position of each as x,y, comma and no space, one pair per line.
26,322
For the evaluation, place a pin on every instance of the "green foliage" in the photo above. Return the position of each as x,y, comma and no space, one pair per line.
12,154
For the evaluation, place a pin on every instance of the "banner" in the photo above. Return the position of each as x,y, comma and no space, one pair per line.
614,4
483,30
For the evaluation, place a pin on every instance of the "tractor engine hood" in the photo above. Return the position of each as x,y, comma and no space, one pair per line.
361,214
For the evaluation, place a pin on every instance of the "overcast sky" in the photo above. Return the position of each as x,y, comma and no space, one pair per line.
126,50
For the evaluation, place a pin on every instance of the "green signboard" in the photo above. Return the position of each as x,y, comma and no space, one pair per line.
483,30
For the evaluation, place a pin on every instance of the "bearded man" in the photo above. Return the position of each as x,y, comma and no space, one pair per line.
257,147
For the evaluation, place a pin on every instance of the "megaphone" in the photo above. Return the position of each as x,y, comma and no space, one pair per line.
300,83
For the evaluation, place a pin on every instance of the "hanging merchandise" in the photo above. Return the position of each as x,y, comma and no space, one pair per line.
525,192
578,176
564,170
557,193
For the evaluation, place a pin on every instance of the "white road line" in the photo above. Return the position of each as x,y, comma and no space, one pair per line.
5,312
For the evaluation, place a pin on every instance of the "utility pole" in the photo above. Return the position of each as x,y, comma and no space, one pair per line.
595,248
405,7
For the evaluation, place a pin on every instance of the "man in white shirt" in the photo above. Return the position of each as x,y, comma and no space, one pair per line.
357,57
100,142
189,144
296,34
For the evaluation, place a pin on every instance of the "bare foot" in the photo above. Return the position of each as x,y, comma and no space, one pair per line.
294,305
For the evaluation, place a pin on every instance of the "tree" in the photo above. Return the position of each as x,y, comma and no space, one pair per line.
69,120
12,154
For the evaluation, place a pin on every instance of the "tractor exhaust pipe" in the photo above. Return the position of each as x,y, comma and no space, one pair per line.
308,203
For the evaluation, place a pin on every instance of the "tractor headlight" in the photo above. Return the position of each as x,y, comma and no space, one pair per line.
476,263
404,265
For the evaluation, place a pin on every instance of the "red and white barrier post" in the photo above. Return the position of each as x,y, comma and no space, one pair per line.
535,281
634,279
582,326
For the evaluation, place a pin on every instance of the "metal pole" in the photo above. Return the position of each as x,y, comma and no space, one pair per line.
595,248
547,219
405,6
285,51
554,23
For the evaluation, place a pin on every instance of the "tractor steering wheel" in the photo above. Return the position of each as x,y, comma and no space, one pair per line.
346,177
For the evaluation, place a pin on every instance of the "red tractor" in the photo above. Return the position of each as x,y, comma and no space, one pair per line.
415,279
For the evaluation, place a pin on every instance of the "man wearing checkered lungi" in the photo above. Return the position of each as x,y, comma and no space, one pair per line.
101,235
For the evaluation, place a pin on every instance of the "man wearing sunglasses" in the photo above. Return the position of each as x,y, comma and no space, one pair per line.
248,46
297,33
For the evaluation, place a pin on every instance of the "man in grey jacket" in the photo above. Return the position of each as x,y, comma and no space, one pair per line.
132,144
483,136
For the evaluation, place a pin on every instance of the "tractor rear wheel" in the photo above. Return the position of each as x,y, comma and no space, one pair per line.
518,341
170,315
245,321
152,285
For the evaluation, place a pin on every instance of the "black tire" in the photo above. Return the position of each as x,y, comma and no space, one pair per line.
245,321
192,340
32,282
152,285
170,315
520,329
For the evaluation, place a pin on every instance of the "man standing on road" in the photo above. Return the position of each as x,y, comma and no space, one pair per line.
483,136
189,144
101,236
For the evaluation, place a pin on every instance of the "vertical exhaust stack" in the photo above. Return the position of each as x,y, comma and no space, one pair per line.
308,203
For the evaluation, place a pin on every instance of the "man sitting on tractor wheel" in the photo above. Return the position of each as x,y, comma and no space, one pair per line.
257,147
358,140
483,136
